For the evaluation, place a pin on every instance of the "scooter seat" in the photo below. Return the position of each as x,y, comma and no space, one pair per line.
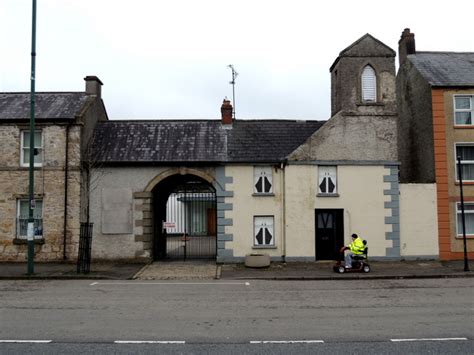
359,257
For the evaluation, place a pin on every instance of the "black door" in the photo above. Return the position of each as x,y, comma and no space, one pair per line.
329,233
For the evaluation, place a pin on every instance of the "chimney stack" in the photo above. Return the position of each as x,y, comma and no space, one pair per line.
93,85
226,111
406,45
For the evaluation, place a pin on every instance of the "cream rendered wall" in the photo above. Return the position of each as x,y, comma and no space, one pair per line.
246,206
300,195
418,220
361,196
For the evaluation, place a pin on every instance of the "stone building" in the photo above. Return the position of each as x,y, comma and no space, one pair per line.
64,125
436,108
295,190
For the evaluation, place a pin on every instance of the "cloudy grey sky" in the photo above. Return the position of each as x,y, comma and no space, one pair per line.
168,58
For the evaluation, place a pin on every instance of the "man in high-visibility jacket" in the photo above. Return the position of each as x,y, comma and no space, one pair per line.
355,248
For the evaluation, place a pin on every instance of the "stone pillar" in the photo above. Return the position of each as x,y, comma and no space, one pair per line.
143,223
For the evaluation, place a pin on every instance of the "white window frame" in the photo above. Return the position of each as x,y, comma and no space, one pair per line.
463,162
262,172
267,222
467,212
21,233
328,172
368,94
470,109
24,151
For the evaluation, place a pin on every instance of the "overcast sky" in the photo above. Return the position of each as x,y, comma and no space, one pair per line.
168,58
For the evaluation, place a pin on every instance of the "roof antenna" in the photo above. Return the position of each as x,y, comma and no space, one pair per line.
234,75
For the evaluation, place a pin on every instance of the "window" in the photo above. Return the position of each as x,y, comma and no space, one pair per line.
25,148
22,219
463,110
263,231
263,180
469,218
327,179
466,152
369,84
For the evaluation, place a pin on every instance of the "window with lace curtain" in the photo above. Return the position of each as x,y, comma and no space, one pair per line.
327,180
466,153
263,180
463,110
263,231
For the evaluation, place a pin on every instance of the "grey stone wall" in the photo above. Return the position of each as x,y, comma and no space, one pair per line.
138,243
346,94
352,138
415,126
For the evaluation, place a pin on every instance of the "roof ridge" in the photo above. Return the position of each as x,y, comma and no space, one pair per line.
440,52
40,92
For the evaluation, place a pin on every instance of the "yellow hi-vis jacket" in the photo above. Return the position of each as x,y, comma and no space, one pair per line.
357,246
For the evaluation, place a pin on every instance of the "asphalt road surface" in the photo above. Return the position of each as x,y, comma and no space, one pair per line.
369,316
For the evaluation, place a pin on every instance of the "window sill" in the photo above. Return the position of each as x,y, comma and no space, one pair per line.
470,182
264,247
327,195
261,194
468,236
19,241
370,103
26,167
463,126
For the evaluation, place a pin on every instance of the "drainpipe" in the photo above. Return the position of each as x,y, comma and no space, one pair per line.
66,176
283,211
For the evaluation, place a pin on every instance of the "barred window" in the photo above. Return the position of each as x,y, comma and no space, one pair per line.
22,219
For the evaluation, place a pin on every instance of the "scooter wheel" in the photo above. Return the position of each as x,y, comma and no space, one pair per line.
341,269
366,268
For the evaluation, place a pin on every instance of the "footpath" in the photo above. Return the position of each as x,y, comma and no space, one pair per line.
200,270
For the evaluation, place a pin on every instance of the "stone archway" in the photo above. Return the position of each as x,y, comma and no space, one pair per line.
184,218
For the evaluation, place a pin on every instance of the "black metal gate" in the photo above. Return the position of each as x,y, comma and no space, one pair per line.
85,243
190,227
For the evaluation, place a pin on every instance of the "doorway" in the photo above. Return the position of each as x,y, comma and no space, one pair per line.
185,219
329,233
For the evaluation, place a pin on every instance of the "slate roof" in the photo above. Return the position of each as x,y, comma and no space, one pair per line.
49,105
193,141
445,68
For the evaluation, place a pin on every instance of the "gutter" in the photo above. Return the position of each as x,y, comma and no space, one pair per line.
283,212
66,176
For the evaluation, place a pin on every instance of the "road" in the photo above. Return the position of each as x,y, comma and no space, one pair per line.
383,316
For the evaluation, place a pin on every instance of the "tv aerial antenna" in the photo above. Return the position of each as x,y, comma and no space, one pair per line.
234,75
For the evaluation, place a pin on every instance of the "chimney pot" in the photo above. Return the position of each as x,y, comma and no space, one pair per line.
226,111
93,85
406,45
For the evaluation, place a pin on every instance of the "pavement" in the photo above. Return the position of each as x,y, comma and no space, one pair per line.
205,270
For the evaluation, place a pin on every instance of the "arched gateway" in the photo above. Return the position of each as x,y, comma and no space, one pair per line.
184,218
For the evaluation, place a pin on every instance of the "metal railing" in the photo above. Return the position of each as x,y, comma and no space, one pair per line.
85,243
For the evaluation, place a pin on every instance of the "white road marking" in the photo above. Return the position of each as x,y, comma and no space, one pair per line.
26,341
286,341
149,342
168,283
428,339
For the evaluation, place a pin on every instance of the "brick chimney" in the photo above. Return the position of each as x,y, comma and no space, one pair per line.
226,111
406,45
93,85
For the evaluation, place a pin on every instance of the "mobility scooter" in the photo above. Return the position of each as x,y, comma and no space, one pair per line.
359,262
